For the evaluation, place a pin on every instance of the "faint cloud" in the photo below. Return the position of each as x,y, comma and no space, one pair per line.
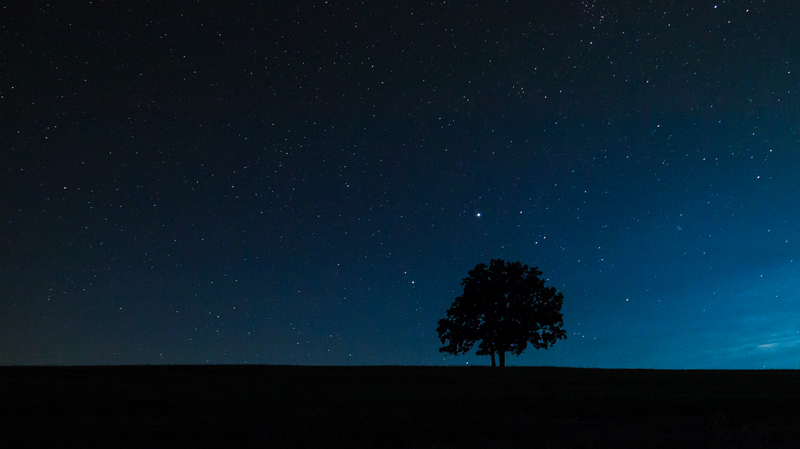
782,343
772,343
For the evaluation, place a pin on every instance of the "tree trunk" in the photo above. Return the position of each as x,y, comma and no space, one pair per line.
502,358
493,358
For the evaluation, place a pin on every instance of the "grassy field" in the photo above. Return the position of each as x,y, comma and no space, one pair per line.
441,407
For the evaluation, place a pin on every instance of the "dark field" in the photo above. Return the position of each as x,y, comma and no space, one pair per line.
283,406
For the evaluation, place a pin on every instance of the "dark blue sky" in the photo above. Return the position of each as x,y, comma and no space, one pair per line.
308,182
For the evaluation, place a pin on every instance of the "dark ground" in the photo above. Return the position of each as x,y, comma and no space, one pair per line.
444,407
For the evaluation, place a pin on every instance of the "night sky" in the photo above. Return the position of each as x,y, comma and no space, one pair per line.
308,182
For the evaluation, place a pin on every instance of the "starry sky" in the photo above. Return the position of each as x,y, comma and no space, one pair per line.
308,182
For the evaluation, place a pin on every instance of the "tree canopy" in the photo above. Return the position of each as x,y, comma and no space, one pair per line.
505,306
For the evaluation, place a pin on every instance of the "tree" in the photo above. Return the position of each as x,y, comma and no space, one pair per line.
505,306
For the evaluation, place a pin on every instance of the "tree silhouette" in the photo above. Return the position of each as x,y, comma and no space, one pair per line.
505,306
